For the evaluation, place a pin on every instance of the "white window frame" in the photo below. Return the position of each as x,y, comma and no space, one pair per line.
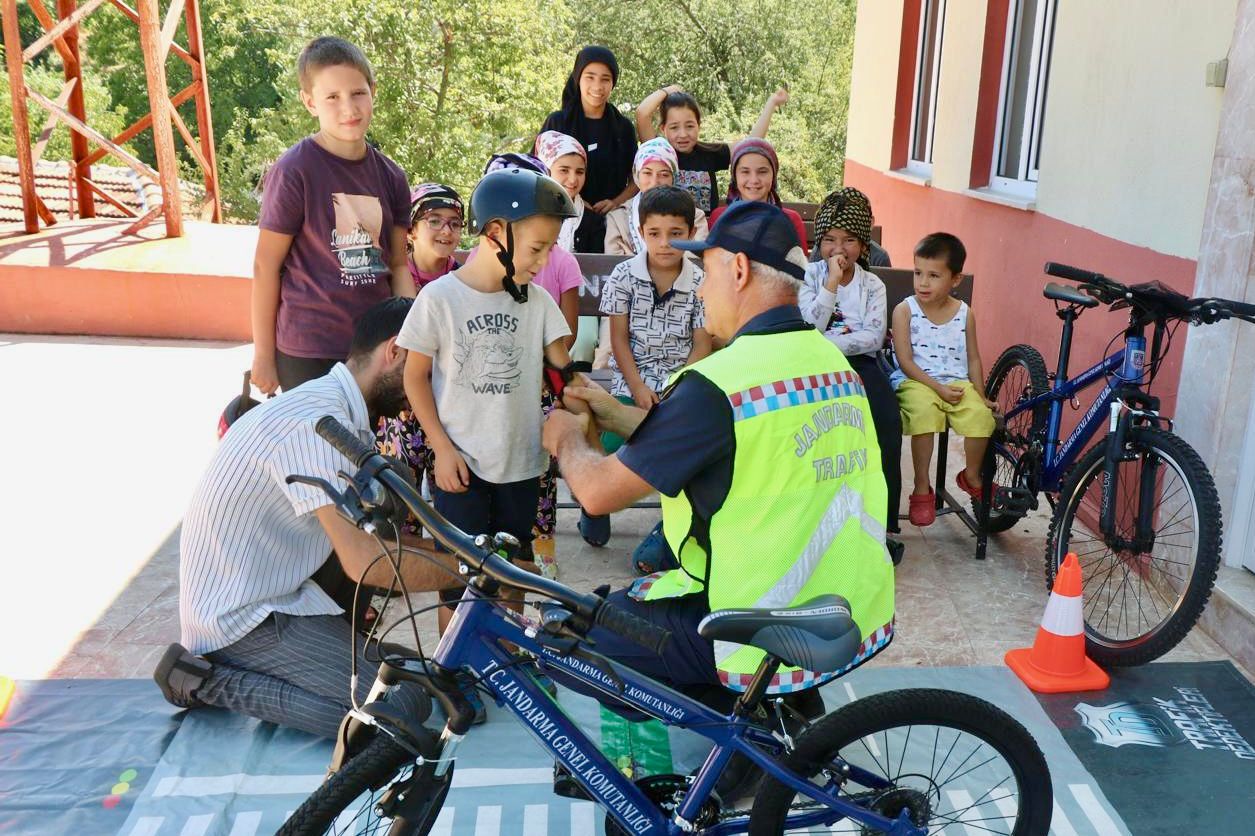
1025,185
918,162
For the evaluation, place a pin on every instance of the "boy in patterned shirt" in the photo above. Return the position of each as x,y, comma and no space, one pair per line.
657,325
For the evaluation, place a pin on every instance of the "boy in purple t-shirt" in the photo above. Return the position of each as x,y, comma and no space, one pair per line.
333,223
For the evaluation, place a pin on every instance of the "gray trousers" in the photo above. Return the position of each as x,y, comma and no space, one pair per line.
294,671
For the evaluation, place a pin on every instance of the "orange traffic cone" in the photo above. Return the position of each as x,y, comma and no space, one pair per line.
1057,662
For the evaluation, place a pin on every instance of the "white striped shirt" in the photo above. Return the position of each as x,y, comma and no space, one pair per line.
251,543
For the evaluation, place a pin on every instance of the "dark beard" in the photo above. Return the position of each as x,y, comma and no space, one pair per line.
387,398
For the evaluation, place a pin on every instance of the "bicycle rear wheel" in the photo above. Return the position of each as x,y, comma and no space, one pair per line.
1140,598
345,803
1018,374
950,758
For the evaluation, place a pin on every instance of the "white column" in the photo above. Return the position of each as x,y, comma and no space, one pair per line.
1215,409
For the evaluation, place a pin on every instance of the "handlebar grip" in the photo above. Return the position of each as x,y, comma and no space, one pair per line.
1074,274
623,623
339,437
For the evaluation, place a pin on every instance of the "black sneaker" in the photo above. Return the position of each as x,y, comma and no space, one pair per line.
896,549
179,674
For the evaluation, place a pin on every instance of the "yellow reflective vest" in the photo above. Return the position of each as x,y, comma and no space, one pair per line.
805,512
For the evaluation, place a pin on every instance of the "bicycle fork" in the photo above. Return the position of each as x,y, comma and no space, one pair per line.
1123,414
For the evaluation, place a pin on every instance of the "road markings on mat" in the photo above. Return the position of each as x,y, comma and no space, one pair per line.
197,825
246,824
1059,824
582,817
536,820
488,821
147,826
1093,809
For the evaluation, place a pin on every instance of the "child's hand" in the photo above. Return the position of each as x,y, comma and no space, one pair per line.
673,88
837,265
601,207
993,406
780,98
452,474
264,375
950,394
644,397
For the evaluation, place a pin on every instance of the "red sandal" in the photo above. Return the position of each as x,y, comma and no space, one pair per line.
923,509
974,493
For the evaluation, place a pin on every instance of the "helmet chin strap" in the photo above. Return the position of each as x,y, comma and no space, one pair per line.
506,256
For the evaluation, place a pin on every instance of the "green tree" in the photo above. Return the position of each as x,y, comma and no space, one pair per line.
47,78
731,54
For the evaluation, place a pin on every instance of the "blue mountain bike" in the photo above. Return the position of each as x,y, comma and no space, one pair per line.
906,763
1139,508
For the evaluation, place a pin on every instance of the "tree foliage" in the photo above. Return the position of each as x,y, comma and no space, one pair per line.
458,80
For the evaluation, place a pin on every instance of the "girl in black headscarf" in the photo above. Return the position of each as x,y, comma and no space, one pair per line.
608,136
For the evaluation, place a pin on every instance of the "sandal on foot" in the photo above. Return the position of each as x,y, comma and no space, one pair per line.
923,509
653,554
966,487
595,529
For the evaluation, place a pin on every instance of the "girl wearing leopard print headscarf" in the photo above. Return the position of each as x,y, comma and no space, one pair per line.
848,303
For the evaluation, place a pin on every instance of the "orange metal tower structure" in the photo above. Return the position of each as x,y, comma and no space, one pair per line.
156,35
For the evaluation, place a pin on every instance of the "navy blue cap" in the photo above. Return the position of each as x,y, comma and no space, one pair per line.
760,230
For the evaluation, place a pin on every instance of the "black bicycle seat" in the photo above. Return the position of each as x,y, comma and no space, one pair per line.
818,635
1071,295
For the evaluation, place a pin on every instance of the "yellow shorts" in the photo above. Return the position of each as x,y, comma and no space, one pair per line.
923,411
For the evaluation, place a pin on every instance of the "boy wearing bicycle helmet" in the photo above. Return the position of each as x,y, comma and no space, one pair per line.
477,341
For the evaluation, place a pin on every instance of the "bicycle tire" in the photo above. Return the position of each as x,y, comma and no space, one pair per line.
878,713
1011,444
1193,599
376,765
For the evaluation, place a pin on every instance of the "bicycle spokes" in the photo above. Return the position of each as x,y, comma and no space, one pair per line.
942,777
1136,573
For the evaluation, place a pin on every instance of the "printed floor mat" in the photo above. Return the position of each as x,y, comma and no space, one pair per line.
1163,751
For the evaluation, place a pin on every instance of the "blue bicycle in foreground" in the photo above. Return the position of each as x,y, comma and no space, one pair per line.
1139,508
906,763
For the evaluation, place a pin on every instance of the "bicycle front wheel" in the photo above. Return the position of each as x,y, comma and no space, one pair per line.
1144,586
945,758
346,802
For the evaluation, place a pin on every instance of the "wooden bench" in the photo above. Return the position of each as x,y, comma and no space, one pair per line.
808,212
899,284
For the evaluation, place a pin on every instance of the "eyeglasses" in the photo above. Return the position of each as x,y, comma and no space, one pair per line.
435,223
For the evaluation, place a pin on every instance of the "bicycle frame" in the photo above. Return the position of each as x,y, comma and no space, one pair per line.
1057,458
474,639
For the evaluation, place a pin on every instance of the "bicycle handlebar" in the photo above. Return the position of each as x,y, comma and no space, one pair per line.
590,608
1202,311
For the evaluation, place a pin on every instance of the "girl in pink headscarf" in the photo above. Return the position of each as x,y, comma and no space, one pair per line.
655,164
755,167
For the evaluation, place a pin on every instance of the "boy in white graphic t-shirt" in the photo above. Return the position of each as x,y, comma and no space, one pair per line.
477,343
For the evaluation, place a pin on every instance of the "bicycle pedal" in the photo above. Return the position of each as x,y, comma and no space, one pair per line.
565,785
1014,500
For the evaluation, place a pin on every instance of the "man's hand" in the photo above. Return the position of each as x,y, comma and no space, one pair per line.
589,396
559,426
452,474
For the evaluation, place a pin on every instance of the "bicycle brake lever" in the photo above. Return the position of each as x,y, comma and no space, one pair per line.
351,511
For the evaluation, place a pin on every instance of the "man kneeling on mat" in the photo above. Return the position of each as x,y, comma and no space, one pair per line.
259,636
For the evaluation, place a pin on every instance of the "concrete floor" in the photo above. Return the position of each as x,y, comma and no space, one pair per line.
107,440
